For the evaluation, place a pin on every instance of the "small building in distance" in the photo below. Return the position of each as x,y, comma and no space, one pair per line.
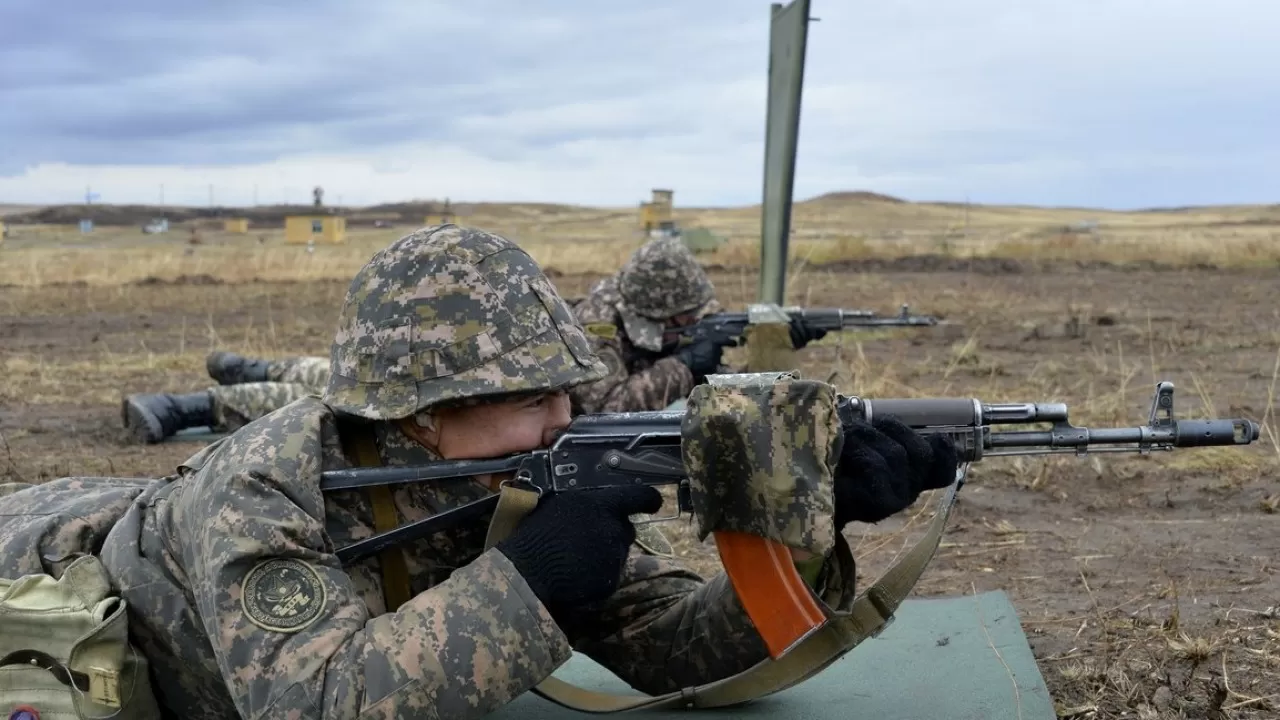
156,226
312,229
236,225
656,215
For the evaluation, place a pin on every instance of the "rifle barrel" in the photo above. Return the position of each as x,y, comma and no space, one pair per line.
1183,433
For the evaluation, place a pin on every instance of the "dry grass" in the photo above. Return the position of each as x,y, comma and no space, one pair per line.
594,240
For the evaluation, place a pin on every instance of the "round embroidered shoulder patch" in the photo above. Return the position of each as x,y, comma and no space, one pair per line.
284,595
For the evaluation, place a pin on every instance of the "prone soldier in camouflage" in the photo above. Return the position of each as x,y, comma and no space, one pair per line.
662,286
247,389
451,344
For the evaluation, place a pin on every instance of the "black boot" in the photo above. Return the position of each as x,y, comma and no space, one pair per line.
150,418
229,368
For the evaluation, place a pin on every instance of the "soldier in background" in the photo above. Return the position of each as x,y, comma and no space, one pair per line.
661,287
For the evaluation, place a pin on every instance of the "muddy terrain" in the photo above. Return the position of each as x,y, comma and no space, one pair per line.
1147,586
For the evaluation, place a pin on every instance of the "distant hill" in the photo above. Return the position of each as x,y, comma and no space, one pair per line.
266,215
848,196
870,208
8,210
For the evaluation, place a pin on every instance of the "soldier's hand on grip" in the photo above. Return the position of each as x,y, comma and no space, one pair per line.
803,333
571,548
884,466
703,356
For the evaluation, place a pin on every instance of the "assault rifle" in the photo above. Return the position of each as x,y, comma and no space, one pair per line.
644,448
611,449
728,327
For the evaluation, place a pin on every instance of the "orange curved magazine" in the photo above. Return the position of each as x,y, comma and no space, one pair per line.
770,588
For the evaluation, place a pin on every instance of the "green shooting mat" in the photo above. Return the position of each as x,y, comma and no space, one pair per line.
962,657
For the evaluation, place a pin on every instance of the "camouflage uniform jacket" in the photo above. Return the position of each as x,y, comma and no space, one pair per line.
638,379
243,609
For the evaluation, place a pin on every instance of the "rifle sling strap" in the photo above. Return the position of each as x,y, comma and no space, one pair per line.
870,613
361,448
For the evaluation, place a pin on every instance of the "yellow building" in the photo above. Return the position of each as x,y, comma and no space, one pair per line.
656,214
236,225
305,229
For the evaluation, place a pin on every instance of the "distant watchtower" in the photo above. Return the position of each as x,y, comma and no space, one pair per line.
655,215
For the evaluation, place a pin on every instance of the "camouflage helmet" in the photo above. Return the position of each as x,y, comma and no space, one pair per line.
660,280
450,313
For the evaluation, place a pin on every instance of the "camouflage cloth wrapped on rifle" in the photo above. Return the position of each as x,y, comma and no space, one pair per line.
761,458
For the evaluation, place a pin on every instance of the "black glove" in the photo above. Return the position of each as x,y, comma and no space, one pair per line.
571,548
885,465
802,333
702,357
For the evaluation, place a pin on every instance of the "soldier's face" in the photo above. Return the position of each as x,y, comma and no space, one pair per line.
674,323
500,428
682,320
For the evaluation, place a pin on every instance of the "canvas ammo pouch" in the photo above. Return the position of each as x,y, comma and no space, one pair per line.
65,650
64,635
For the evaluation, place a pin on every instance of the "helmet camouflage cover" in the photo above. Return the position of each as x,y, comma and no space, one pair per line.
450,313
660,280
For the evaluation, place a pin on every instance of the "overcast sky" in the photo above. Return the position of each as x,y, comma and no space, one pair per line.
1104,103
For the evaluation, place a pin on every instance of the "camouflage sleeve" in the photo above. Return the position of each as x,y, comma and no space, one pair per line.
293,638
653,388
666,628
235,406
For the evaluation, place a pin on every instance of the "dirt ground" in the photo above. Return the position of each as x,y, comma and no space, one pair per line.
1147,586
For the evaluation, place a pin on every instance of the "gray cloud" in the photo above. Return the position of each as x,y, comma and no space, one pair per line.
1113,102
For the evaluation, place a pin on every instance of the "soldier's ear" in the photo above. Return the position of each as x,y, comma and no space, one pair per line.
425,419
